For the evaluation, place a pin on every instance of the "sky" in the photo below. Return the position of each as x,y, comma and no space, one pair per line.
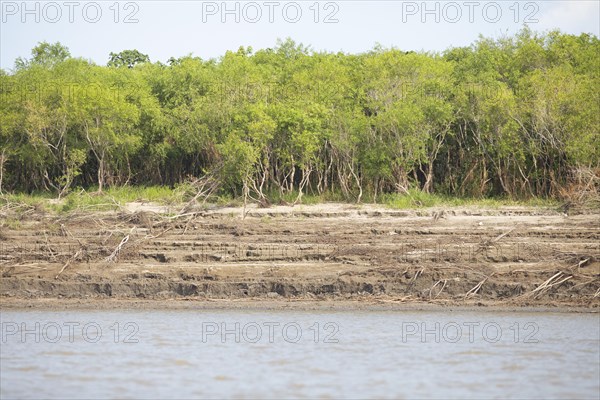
164,29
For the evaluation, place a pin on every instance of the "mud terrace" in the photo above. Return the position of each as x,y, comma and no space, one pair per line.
324,254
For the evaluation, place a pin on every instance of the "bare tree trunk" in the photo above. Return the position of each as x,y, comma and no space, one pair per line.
305,177
100,174
429,179
290,188
484,175
128,171
375,190
343,183
2,160
246,192
438,142
358,183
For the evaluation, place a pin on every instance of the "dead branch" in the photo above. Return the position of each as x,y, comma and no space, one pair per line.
504,234
583,262
487,243
414,279
68,262
583,283
155,236
553,281
48,247
205,187
476,288
115,253
445,281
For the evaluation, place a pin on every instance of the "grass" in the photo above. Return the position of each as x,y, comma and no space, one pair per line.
111,199
34,200
11,223
418,199
275,197
116,197
155,194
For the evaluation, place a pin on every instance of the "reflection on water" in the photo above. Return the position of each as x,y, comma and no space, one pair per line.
274,354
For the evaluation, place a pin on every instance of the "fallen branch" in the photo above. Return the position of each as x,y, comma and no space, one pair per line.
419,272
583,283
396,300
30,265
582,263
157,235
476,288
504,234
486,243
68,262
48,247
554,280
185,215
440,291
414,279
205,187
545,284
115,253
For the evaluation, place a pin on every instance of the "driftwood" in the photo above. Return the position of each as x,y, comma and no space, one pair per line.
580,264
487,243
554,280
68,263
414,279
476,288
445,281
396,300
205,187
117,250
48,247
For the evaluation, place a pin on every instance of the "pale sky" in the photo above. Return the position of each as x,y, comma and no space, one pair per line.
207,29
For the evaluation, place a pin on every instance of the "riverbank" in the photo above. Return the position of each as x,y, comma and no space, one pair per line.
321,255
194,304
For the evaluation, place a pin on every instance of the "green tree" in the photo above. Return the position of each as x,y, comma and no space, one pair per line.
44,54
127,58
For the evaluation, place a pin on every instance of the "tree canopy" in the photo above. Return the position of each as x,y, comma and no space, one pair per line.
513,116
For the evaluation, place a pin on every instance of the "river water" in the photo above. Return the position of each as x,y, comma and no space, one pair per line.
293,354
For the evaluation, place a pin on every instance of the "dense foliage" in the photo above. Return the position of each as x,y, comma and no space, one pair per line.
514,116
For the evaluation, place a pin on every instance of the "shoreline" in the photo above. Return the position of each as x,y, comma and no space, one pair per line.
193,304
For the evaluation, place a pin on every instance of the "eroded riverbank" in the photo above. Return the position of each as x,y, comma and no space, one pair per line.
362,255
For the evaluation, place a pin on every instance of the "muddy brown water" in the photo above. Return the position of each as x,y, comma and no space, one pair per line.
299,354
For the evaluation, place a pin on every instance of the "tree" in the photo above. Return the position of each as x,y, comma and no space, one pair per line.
108,122
516,116
44,54
127,58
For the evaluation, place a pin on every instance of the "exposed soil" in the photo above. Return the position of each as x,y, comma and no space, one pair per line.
510,257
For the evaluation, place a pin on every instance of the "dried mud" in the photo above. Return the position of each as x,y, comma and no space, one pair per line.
509,257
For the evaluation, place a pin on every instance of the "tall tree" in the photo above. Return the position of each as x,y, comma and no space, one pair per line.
127,58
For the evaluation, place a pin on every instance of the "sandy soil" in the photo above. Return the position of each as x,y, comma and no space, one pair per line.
302,256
